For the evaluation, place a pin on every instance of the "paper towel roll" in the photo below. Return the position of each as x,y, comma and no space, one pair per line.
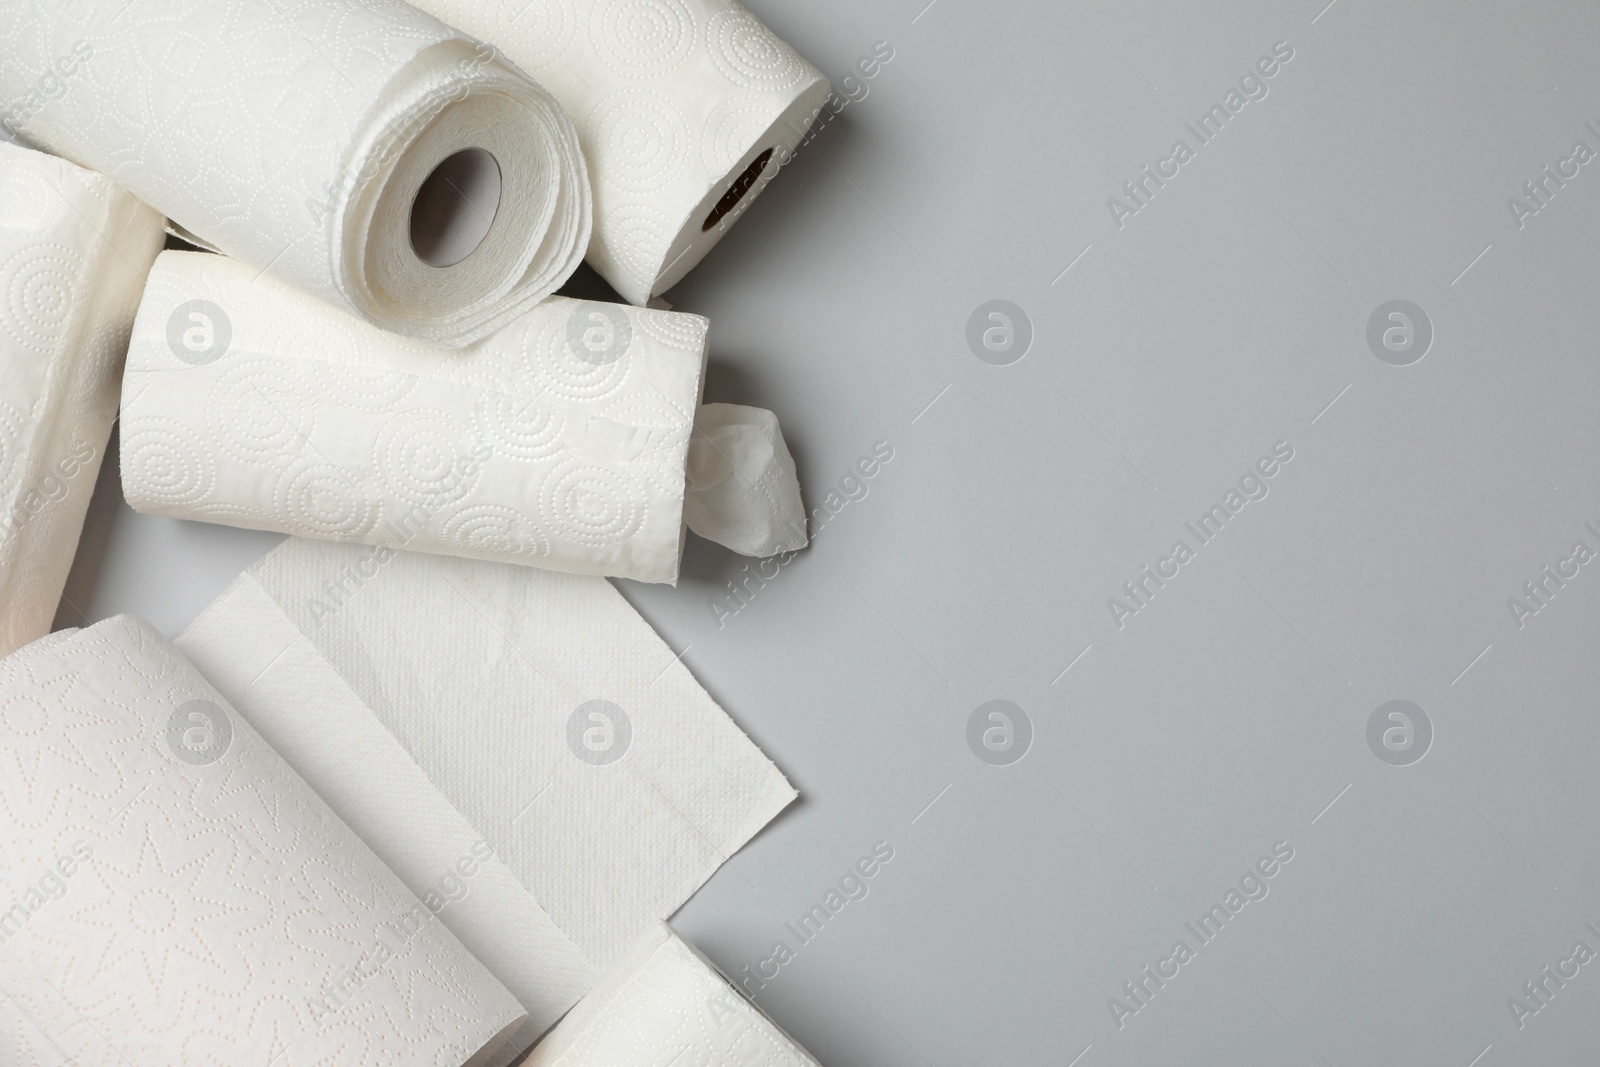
686,108
743,492
358,149
172,893
528,723
666,1006
74,251
559,442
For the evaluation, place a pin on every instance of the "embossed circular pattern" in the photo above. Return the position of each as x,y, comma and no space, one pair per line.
637,237
640,142
167,461
643,38
319,500
366,388
427,457
748,54
729,132
543,30
258,413
491,531
38,283
519,426
683,332
593,505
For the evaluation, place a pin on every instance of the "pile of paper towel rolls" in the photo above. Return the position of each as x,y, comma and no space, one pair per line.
368,353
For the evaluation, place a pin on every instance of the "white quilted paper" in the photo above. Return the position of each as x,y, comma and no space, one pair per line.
441,704
675,101
560,442
667,1006
74,249
172,893
296,135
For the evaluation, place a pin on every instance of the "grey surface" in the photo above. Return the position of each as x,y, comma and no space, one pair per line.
1168,755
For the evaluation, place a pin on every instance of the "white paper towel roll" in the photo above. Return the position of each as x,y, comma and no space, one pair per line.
172,893
355,148
74,251
667,1006
531,759
686,108
559,442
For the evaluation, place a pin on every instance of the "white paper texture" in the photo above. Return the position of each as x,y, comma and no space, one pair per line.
674,100
74,250
743,492
559,442
443,704
171,892
664,1006
295,135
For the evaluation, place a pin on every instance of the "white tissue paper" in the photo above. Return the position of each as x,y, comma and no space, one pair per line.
519,745
667,1006
686,109
172,893
74,250
559,442
743,492
299,136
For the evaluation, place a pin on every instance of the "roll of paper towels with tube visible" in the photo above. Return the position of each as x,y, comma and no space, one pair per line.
686,108
358,149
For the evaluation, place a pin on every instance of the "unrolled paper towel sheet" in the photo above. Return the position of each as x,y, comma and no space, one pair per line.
299,136
74,250
686,109
174,894
517,744
667,1006
559,442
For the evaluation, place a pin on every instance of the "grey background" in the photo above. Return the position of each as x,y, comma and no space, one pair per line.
1168,755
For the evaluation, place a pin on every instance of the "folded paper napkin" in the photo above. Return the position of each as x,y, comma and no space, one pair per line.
686,109
743,492
358,149
175,894
559,442
518,745
667,1006
74,249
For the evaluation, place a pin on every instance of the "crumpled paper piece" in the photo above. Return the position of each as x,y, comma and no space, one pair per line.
743,492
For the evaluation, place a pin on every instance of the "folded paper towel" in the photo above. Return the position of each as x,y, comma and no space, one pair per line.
559,442
518,745
667,1006
743,492
177,895
686,108
74,250
359,149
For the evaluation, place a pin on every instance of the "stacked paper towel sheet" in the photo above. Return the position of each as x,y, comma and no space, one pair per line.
686,109
665,1006
559,442
517,744
359,149
74,250
178,895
